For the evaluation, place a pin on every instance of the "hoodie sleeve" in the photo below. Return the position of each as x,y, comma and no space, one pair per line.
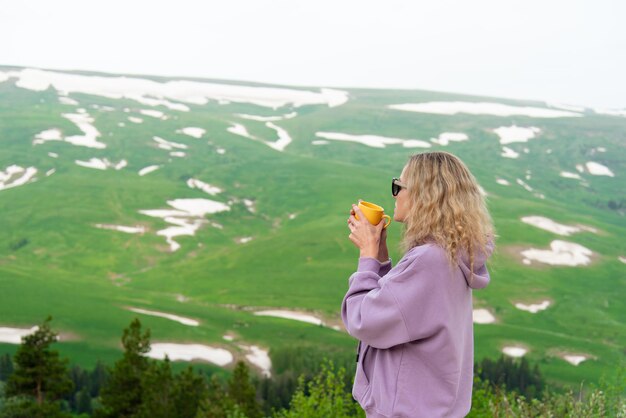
412,302
370,312
385,268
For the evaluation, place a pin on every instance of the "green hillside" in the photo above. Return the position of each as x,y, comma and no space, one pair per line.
293,204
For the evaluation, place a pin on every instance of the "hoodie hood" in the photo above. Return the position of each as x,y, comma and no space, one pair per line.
480,277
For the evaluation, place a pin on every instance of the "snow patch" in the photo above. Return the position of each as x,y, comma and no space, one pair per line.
569,175
260,358
483,316
250,205
103,108
198,207
267,118
168,145
48,135
283,138
101,164
510,134
514,351
509,153
180,319
15,175
149,169
447,137
373,141
153,113
561,253
189,352
121,228
533,308
239,129
192,92
503,182
482,108
575,360
84,122
296,316
187,218
148,101
14,335
597,169
205,187
524,185
550,225
193,132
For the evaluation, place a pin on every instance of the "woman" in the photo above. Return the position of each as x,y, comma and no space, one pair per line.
414,321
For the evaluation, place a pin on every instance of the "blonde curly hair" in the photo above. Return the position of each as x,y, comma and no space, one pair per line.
447,208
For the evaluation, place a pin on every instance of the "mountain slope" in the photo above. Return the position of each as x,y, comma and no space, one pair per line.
246,211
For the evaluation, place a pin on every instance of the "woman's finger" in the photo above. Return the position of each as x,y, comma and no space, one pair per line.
358,212
380,228
353,239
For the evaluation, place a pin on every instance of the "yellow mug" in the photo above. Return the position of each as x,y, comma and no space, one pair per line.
373,213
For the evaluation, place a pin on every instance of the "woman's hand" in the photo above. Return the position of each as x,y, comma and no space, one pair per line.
369,239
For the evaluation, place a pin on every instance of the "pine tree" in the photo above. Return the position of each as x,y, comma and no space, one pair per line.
40,379
523,376
242,392
189,390
80,378
83,401
157,389
6,367
122,395
217,403
97,379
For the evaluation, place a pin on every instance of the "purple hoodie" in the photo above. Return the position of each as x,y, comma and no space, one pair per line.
414,323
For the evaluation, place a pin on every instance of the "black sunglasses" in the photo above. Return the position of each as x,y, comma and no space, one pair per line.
396,186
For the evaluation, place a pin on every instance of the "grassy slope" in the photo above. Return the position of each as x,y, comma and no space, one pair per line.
84,276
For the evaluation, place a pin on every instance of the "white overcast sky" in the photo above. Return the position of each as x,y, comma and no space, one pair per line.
566,51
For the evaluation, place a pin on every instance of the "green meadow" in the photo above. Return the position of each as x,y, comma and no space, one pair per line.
54,261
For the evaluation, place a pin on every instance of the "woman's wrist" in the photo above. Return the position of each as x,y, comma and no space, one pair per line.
369,252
